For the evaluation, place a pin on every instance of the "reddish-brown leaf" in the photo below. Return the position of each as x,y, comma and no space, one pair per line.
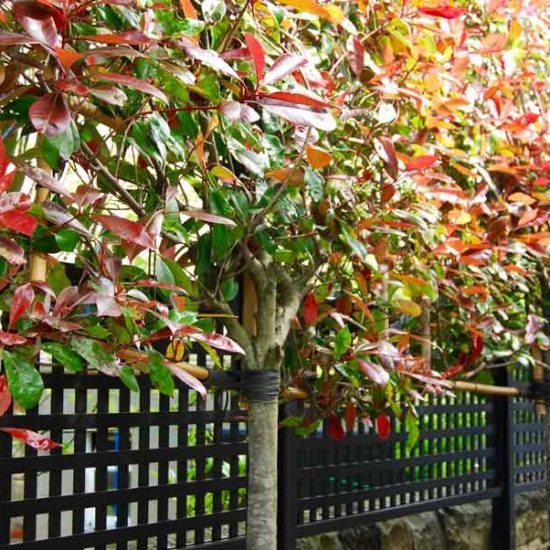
188,9
73,86
5,395
10,339
4,160
187,379
21,302
12,39
375,372
444,11
32,439
383,425
297,98
19,221
67,57
301,115
310,309
356,55
45,180
11,201
6,180
334,428
11,251
128,230
37,21
208,57
257,55
286,64
218,341
386,150
422,162
50,114
131,82
350,415
129,38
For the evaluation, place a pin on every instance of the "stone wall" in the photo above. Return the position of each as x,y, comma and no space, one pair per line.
465,527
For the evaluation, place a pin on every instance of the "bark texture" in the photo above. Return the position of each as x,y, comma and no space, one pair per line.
262,476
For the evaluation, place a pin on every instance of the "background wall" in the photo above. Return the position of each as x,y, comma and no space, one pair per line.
465,527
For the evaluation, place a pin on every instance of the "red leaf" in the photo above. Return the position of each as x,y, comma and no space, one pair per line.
21,302
12,39
310,309
19,221
375,372
45,180
386,151
6,180
187,379
32,439
356,55
9,339
127,230
295,98
37,21
257,55
67,57
383,426
218,341
300,115
11,201
208,217
286,64
527,217
350,415
208,57
11,251
533,326
445,11
334,428
50,114
421,162
241,112
4,160
5,396
129,38
131,82
72,86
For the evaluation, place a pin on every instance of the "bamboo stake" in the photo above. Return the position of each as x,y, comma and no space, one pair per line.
38,265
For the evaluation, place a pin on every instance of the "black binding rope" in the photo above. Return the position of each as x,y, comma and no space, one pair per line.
257,385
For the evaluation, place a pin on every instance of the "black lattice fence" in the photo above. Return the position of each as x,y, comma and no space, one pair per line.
144,471
136,471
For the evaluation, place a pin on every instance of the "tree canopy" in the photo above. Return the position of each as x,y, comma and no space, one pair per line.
376,172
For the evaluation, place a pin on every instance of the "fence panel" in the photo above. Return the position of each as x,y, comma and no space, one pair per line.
139,471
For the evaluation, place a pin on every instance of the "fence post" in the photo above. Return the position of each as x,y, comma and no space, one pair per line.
504,507
287,502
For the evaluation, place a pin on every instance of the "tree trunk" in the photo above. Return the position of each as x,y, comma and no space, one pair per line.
262,476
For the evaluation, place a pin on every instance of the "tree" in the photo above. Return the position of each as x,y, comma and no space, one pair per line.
372,176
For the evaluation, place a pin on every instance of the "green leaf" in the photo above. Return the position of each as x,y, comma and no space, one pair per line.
57,278
94,353
67,239
342,342
160,374
314,183
24,381
230,289
64,355
128,377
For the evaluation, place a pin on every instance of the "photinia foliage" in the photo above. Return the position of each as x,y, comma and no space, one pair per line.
377,172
